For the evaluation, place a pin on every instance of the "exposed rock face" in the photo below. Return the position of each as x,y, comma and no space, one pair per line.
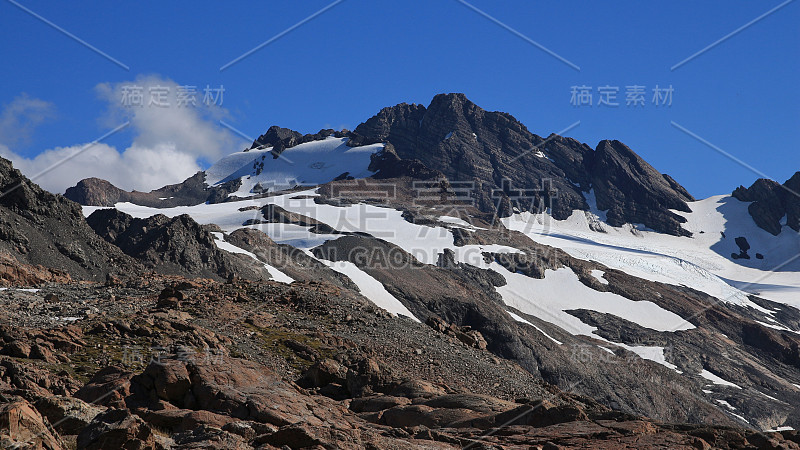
15,273
278,137
227,386
290,260
38,228
771,202
21,426
177,245
632,191
387,164
508,167
282,138
67,414
96,192
192,191
505,161
117,428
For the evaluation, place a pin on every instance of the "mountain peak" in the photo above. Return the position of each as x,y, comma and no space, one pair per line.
491,151
496,153
452,99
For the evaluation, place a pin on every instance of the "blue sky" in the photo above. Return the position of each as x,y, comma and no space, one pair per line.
340,68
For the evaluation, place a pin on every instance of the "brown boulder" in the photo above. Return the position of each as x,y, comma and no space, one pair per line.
68,415
473,338
108,387
118,429
367,376
303,436
22,427
17,349
33,380
184,419
210,438
473,402
377,403
323,373
417,389
416,415
535,414
170,380
231,387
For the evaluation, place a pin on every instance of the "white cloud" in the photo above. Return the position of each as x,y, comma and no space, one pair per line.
191,129
142,168
20,118
168,144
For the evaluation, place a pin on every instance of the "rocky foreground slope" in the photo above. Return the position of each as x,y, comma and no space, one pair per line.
161,362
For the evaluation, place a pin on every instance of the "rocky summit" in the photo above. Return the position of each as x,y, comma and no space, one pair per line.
499,154
440,277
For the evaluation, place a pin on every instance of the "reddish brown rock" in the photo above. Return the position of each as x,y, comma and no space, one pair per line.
22,427
108,387
231,387
119,429
16,273
324,372
184,419
377,403
68,415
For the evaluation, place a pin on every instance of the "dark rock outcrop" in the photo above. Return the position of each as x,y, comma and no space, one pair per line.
97,192
505,161
771,201
282,138
632,191
38,228
177,245
386,164
117,428
192,191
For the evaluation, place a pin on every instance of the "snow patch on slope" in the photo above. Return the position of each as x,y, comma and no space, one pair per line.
651,353
675,260
308,164
371,288
274,273
717,380
598,274
522,320
561,291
